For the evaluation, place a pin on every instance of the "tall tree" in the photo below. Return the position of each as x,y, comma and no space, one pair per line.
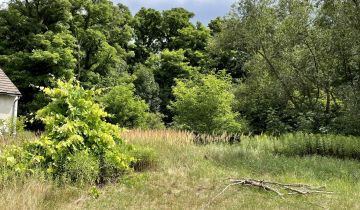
103,32
36,44
168,66
62,38
287,49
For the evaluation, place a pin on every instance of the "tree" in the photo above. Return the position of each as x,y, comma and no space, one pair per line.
221,53
63,38
174,20
148,33
168,66
103,32
215,25
204,105
171,29
146,86
36,45
193,39
287,49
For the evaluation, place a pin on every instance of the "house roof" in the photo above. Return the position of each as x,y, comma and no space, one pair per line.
6,86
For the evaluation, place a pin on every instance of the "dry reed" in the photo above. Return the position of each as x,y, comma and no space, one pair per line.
176,137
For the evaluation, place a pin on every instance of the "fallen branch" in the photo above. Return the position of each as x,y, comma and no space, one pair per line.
261,184
290,188
276,187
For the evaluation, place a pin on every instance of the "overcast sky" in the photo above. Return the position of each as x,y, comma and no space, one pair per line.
205,10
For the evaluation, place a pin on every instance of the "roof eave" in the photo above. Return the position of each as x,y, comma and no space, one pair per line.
11,94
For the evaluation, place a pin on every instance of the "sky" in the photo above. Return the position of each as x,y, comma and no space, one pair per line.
205,10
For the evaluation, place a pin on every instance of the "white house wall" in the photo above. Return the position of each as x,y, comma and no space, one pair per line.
6,106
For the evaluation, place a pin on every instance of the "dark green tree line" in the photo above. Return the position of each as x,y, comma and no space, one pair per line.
292,65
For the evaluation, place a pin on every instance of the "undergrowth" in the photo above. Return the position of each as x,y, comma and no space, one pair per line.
302,144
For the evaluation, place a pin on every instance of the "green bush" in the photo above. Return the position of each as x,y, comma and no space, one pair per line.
204,105
126,109
302,144
74,123
154,121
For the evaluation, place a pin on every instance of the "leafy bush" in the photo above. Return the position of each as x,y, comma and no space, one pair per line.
204,105
126,109
74,124
315,144
154,121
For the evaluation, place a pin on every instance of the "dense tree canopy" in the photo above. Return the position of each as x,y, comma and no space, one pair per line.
292,65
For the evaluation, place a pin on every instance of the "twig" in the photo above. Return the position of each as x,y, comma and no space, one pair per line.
220,193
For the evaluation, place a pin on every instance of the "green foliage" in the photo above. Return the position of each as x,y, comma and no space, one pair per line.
204,105
193,40
154,121
94,192
13,162
7,126
294,63
145,158
302,144
82,168
103,32
171,29
174,20
296,58
148,33
63,38
168,66
146,86
126,109
215,25
74,124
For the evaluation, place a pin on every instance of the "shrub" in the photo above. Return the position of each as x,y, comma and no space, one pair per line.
73,124
154,121
126,109
204,105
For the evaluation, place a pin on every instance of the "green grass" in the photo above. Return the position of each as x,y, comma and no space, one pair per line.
188,176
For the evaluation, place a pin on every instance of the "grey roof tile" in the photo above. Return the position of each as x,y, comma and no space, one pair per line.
6,86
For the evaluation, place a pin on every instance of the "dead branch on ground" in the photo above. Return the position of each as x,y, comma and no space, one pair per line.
279,188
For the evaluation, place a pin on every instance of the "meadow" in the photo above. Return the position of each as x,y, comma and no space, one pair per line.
181,174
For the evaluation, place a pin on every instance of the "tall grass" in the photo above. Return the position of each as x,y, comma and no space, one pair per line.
179,137
172,137
302,144
188,175
17,139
